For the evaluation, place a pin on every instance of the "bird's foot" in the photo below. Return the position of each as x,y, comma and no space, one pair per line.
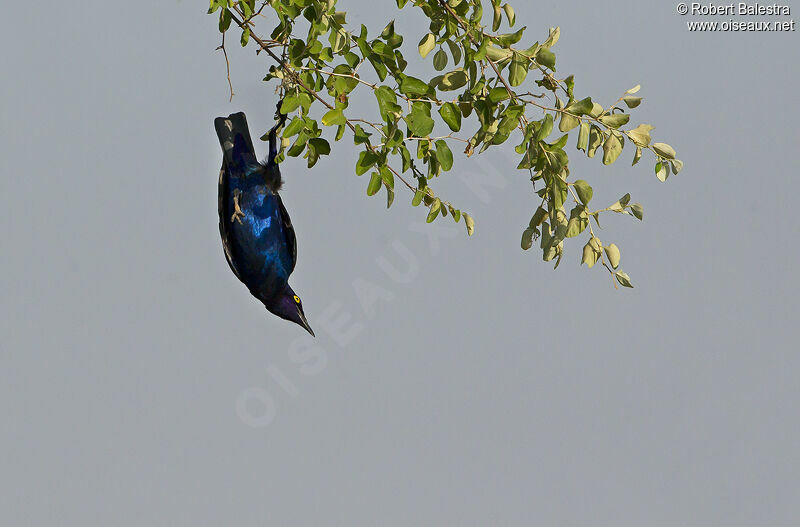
237,211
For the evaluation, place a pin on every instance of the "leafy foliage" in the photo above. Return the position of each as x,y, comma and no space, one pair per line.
485,88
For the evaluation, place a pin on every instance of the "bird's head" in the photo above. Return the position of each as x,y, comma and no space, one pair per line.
288,306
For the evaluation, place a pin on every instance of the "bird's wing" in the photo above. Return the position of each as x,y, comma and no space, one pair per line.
291,239
232,131
225,218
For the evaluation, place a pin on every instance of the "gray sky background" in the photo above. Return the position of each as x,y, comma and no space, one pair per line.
490,390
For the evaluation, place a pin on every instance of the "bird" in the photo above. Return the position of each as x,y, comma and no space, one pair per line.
257,234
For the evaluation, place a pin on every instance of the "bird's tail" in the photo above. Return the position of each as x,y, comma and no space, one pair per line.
234,138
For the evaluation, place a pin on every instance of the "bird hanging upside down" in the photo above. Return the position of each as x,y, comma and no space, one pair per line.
257,234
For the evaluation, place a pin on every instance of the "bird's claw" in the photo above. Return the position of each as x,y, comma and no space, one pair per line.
237,211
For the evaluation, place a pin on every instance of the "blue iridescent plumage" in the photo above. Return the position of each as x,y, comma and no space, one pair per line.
257,233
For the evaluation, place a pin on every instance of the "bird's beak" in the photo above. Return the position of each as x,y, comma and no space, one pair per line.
304,322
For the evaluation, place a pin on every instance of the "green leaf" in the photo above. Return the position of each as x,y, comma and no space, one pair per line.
641,134
537,218
299,145
612,147
596,138
451,115
620,204
590,255
419,123
246,6
555,33
637,211
387,102
360,136
623,279
677,165
582,107
339,40
334,117
583,137
634,89
509,119
632,102
366,160
546,243
559,191
378,66
578,221
320,145
294,127
351,58
664,150
388,31
444,155
344,84
527,239
637,156
518,69
493,53
544,128
470,223
497,17
584,191
510,14
546,58
561,143
427,44
615,120
568,122
405,155
453,80
440,60
317,146
387,177
455,50
661,171
417,199
290,103
570,82
612,253
434,211
224,20
498,94
507,39
375,182
413,86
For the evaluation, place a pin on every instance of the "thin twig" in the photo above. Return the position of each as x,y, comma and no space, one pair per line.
227,65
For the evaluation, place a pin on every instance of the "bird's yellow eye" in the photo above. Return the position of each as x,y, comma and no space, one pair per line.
296,299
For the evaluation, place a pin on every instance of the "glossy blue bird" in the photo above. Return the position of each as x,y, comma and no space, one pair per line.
257,234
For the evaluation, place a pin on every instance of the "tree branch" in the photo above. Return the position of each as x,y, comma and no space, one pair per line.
296,78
